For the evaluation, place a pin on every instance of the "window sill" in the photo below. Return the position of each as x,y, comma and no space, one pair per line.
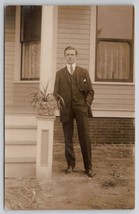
113,83
25,81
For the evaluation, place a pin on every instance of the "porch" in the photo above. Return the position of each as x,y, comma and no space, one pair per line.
21,139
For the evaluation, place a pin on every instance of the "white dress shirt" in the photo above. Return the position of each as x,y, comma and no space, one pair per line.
69,67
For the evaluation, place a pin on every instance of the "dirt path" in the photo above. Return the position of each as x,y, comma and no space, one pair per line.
112,187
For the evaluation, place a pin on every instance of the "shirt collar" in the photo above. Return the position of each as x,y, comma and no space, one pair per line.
73,65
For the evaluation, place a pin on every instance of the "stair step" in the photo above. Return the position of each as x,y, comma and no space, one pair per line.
20,127
20,145
14,143
20,151
17,160
17,120
21,134
24,170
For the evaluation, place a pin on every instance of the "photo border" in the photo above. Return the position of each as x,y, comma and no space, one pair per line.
135,3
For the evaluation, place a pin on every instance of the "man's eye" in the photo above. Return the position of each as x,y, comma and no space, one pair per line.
70,54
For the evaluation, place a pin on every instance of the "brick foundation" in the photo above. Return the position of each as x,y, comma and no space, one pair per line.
103,131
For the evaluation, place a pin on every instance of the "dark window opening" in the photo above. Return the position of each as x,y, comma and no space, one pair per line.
30,42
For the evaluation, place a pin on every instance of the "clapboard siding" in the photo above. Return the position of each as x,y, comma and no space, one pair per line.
70,21
9,54
73,41
62,27
115,89
21,92
114,97
74,9
81,47
21,98
74,29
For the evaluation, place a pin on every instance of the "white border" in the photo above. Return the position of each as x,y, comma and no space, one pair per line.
70,2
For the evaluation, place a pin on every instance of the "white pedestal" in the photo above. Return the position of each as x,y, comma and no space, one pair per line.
44,157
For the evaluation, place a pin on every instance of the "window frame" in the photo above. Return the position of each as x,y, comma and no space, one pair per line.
18,52
93,53
130,80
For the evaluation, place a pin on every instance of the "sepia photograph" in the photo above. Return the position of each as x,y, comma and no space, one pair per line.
69,89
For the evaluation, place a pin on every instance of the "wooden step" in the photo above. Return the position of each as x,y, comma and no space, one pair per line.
18,120
15,142
19,160
20,169
20,126
20,145
22,133
20,151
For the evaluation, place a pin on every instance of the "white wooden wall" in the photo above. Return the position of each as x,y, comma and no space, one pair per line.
74,30
74,27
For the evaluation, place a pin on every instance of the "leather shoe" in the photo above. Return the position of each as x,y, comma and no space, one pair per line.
90,173
69,169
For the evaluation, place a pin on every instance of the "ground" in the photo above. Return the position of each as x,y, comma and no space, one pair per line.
112,186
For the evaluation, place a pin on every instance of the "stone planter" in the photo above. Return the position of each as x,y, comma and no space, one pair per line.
45,131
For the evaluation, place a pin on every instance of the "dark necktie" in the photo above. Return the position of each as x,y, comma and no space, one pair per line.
71,69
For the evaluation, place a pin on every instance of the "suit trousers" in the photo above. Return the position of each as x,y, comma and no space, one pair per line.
84,140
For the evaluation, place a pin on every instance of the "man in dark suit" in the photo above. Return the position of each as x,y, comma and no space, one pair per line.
73,84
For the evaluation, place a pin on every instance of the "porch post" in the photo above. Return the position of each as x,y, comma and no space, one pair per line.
45,124
48,46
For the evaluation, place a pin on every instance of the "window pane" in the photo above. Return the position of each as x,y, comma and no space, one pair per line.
113,61
31,23
115,29
30,60
115,22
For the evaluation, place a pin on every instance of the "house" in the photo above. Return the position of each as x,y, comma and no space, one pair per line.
35,37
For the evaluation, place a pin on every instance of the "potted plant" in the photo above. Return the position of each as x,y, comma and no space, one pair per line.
44,105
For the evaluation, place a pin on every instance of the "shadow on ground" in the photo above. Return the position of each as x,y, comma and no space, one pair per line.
112,187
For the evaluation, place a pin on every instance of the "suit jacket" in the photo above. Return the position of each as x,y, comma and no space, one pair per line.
63,88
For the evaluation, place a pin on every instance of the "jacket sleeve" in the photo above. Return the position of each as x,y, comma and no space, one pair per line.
56,85
89,90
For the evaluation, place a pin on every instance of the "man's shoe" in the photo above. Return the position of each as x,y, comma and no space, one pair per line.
69,169
90,173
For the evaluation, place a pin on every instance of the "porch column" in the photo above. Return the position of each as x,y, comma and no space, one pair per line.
45,126
48,46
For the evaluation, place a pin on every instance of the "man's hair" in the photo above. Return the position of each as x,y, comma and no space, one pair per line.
70,48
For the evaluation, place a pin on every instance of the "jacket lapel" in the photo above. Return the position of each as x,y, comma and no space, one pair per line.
66,74
79,77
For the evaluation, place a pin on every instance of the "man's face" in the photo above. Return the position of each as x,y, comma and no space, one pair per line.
70,56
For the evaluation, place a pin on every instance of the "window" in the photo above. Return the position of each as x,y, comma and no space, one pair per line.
30,42
114,44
